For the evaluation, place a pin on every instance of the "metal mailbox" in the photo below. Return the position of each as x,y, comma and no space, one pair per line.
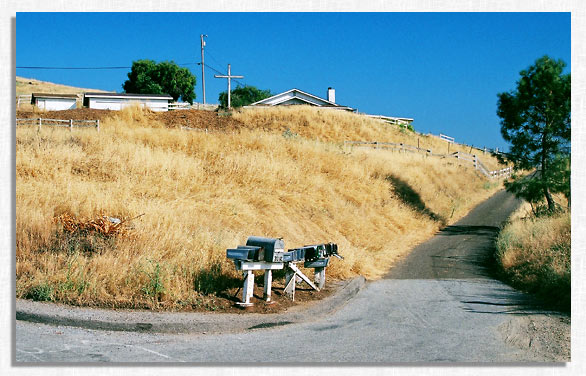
243,253
269,254
273,249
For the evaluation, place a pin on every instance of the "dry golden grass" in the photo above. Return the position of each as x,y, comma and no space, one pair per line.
535,255
31,85
338,126
202,193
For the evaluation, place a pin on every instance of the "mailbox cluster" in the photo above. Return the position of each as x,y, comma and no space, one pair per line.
269,254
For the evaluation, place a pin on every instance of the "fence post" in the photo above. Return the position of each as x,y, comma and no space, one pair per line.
70,125
40,123
98,125
475,162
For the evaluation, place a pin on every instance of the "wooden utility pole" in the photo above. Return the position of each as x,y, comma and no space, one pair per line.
203,77
229,77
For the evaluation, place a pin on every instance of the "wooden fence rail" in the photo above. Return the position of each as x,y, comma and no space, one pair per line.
391,145
40,122
196,106
465,157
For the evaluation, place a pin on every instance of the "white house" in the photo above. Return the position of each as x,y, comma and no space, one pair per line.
296,96
54,102
117,101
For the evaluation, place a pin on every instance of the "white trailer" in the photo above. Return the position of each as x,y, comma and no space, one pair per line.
54,102
118,101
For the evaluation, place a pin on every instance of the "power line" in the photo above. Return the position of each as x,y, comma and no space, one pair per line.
213,57
217,62
212,68
70,68
85,68
223,73
112,68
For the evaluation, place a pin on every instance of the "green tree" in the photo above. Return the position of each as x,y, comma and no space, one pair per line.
243,96
535,119
148,77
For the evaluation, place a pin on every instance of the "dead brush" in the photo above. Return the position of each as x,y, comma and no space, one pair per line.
103,225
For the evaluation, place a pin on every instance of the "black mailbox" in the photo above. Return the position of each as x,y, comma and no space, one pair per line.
272,249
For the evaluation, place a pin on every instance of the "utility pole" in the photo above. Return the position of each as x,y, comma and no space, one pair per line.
229,77
203,77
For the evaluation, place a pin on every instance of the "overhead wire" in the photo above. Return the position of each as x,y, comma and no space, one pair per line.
222,73
125,67
86,68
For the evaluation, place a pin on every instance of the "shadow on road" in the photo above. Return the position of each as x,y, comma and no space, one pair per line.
470,230
502,299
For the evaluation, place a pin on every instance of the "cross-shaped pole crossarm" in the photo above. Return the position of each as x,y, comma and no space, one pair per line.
229,77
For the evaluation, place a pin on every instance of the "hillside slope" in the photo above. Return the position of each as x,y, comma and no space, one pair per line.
186,196
30,85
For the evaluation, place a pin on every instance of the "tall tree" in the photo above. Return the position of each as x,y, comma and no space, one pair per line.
535,119
243,96
148,77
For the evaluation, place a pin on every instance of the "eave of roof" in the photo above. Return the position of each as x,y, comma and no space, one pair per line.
52,95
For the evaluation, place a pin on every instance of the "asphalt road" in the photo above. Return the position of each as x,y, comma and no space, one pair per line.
439,304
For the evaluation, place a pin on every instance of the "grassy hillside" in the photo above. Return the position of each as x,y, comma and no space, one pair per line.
337,126
186,196
31,85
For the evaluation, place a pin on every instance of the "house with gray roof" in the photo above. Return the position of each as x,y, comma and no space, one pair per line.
296,97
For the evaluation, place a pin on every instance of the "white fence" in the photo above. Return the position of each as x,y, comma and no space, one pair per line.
22,99
392,119
465,157
40,122
391,146
196,106
473,158
447,138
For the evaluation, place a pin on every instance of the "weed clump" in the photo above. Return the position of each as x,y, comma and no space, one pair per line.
42,292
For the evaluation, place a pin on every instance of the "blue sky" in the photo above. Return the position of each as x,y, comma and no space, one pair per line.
442,69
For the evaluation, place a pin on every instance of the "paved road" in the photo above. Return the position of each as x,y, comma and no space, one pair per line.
438,305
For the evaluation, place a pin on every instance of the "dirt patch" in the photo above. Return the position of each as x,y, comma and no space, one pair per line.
547,336
189,119
76,114
226,302
197,119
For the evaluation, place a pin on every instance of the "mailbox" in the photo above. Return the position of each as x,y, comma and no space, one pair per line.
273,249
269,254
244,253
